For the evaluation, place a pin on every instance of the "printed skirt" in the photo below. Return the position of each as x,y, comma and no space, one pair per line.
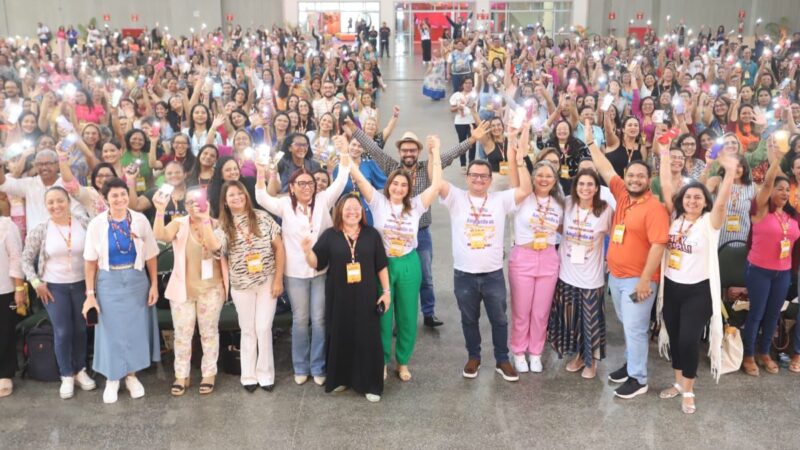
577,323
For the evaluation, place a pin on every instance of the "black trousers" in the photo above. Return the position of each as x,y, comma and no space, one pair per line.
687,308
8,337
426,50
385,49
464,132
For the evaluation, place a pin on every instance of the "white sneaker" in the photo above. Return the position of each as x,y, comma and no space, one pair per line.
300,379
520,364
110,393
536,364
85,382
67,389
372,398
319,380
134,387
340,389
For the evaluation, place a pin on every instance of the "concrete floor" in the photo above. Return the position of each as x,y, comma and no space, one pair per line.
438,408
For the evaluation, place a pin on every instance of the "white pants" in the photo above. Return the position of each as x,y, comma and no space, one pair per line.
256,309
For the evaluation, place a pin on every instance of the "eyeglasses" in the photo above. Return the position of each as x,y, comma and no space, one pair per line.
480,176
304,184
300,144
408,151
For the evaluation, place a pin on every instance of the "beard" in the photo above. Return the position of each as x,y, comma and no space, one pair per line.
409,162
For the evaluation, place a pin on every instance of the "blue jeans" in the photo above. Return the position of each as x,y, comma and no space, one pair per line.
470,289
767,290
307,296
635,318
69,326
427,300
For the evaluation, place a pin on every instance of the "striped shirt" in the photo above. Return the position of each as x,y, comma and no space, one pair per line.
389,164
738,205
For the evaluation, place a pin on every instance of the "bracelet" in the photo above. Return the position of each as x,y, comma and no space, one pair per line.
36,282
20,288
90,292
160,215
589,143
260,178
387,291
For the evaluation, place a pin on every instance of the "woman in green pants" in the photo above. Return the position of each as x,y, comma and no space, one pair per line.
396,217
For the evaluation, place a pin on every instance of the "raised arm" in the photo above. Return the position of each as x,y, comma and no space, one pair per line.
435,164
392,123
384,161
729,163
163,233
762,198
604,167
667,189
524,187
363,184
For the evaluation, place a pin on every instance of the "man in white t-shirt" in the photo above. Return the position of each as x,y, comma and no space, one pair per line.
325,104
478,227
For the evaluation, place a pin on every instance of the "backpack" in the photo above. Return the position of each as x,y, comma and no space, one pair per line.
40,355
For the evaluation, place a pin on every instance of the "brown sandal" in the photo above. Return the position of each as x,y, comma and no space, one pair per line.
179,387
767,363
749,366
794,365
207,385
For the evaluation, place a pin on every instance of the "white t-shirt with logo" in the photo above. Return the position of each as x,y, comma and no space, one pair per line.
537,215
687,250
472,218
398,229
583,228
468,101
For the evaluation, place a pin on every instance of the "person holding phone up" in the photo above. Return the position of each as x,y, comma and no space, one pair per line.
195,290
639,234
120,245
354,255
57,245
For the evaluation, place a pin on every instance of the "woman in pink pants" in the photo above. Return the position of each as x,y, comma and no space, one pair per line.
533,266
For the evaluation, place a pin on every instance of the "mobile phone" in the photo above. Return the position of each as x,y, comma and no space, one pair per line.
634,297
785,83
658,116
182,84
91,317
716,148
155,130
344,113
166,189
732,92
380,309
68,141
140,81
116,96
216,90
607,101
201,200
519,117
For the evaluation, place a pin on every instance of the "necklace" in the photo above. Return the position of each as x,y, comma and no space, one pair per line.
116,230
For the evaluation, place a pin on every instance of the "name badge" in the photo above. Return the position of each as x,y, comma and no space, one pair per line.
206,269
577,254
619,234
786,248
564,171
141,185
477,239
732,223
396,247
254,264
353,273
539,240
503,167
674,259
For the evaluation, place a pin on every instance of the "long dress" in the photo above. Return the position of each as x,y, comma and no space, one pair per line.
352,324
434,84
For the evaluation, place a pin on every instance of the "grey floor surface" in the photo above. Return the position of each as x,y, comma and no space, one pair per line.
438,408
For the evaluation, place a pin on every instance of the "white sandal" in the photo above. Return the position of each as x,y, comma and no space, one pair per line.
688,409
665,395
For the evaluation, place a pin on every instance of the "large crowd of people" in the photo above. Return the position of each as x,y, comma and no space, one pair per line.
259,158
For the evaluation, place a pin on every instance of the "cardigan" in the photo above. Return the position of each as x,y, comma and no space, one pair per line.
35,248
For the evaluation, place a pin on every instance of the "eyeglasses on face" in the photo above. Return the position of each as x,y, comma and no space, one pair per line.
304,184
300,144
479,176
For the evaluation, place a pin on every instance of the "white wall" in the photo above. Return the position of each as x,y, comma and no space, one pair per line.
17,16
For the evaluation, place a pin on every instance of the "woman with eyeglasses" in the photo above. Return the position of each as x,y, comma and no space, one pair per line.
178,151
195,289
175,208
677,174
254,255
694,166
120,246
56,248
355,259
297,154
305,213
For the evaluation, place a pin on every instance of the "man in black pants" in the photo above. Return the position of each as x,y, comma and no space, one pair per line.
384,38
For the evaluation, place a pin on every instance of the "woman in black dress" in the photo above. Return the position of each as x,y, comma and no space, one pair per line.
356,260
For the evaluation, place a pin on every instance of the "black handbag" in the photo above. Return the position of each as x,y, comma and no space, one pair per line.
40,355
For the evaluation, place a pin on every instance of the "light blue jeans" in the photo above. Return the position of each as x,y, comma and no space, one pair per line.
307,296
635,318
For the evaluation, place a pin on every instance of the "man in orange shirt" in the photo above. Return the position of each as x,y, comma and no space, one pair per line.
639,235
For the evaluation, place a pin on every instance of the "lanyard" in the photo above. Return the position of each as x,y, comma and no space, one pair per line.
247,235
681,231
542,212
784,223
735,197
115,228
202,238
581,223
308,211
480,211
501,147
352,244
68,239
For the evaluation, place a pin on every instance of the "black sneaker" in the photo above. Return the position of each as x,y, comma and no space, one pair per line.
620,375
433,322
630,389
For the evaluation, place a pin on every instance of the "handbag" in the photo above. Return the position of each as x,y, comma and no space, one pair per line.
732,347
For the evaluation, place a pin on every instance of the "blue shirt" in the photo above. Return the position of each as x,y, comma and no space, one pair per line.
373,174
120,239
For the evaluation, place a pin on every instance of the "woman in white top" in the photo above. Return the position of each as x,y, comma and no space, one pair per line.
533,266
57,244
12,296
396,214
577,318
321,142
690,283
305,213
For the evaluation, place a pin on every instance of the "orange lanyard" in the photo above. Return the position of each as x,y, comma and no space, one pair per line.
245,236
352,244
542,212
581,224
480,211
681,231
784,224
